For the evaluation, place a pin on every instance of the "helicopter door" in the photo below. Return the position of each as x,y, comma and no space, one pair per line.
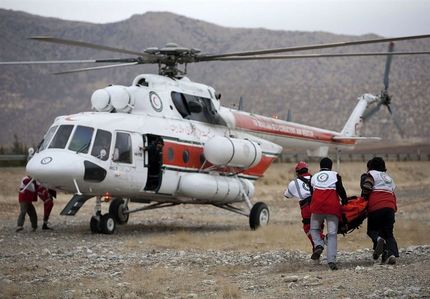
128,161
154,161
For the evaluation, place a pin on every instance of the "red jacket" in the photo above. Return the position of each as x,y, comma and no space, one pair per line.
325,199
382,195
30,193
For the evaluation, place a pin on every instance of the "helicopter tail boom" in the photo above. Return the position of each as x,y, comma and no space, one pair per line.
355,120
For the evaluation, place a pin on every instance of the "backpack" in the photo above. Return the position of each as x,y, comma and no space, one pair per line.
353,214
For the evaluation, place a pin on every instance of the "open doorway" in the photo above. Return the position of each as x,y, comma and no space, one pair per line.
155,161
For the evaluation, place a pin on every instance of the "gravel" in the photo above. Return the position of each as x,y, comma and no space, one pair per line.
37,265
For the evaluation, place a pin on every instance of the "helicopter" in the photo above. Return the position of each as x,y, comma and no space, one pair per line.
166,140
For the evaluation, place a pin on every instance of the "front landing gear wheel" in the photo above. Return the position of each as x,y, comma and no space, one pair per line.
95,225
259,215
116,210
107,224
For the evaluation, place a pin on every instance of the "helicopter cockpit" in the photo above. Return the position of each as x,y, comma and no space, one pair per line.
58,137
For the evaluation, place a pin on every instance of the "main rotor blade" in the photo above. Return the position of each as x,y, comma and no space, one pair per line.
117,60
46,62
388,65
299,56
95,68
313,47
51,39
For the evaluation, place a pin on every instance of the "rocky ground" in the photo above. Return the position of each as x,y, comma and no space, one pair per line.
204,252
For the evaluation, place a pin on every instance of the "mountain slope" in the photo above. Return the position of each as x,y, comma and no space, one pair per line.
319,92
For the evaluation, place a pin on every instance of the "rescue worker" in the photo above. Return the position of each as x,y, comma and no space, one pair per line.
301,189
27,194
47,196
378,188
155,161
325,205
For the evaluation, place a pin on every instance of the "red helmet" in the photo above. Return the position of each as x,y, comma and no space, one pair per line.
301,165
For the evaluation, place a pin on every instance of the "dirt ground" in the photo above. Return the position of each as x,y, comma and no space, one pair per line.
204,252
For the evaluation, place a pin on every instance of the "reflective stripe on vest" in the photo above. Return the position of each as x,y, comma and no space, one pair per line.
298,189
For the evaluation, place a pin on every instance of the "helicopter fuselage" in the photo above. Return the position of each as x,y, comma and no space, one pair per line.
207,153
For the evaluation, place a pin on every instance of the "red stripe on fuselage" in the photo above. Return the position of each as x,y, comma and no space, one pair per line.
175,155
267,125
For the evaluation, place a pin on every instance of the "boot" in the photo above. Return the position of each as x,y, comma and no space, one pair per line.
45,226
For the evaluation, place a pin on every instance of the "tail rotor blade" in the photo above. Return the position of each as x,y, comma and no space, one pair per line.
388,65
240,104
368,113
395,118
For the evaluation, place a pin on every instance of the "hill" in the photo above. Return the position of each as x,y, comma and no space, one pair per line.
319,92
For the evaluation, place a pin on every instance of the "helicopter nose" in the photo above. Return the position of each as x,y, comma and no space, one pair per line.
56,168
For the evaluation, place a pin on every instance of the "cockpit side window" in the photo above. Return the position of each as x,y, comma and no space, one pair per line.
45,141
186,105
81,139
101,147
180,104
61,137
122,152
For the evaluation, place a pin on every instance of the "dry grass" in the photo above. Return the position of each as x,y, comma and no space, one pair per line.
202,227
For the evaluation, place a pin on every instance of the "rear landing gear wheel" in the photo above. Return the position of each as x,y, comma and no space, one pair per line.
107,224
116,210
259,215
95,225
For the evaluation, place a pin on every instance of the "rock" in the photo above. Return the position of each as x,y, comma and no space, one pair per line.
293,278
45,251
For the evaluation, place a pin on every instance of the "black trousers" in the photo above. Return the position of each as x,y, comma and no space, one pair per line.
380,223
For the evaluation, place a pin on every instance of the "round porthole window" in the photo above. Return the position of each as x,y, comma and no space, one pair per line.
185,156
170,154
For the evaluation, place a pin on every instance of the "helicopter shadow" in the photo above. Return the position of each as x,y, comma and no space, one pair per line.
156,228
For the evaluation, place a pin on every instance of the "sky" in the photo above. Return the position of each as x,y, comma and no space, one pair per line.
353,17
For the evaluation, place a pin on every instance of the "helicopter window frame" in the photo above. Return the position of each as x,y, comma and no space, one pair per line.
124,157
64,132
209,113
47,138
180,103
99,146
81,141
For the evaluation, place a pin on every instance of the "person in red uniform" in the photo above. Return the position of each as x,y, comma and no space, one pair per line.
47,196
378,188
27,194
301,189
29,190
325,205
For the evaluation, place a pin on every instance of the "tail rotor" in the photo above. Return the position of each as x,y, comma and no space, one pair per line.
384,99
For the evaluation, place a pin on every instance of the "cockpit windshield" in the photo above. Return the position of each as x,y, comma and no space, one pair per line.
81,139
45,141
101,147
61,137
